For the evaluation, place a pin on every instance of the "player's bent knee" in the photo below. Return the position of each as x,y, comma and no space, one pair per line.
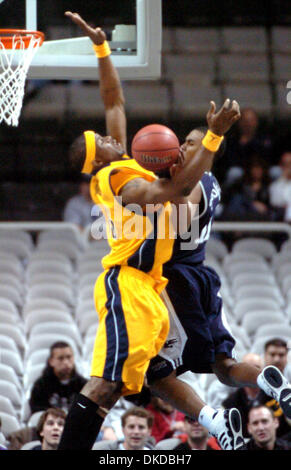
101,391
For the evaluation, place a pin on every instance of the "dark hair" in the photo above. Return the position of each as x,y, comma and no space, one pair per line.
276,342
57,412
57,345
77,153
139,412
256,160
257,406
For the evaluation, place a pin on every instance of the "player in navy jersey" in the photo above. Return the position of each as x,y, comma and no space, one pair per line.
200,340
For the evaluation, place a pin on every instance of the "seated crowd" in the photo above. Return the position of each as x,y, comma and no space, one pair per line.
146,422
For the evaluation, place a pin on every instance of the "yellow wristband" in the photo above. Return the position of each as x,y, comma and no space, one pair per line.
212,141
102,50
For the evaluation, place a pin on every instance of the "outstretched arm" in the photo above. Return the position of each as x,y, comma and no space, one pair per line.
110,87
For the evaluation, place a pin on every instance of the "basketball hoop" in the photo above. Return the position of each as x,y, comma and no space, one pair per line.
17,49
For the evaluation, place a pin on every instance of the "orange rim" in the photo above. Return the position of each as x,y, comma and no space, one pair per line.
7,35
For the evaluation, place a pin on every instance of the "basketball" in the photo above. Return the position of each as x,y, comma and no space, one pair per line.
155,147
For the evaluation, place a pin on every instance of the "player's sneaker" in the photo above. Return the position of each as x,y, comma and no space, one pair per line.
274,384
226,427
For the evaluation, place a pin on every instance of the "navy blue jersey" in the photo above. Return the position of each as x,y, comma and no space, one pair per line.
210,199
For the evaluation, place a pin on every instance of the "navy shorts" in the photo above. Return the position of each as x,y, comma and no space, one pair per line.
198,330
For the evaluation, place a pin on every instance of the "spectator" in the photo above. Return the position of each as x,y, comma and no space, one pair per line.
59,382
275,354
2,447
247,198
49,429
196,438
243,398
280,189
167,420
78,208
136,426
18,438
247,141
262,426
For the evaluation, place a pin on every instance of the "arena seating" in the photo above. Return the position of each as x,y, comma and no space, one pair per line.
46,293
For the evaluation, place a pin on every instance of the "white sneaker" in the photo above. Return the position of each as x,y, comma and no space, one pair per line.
226,427
274,384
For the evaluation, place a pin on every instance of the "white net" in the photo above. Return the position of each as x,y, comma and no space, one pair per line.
14,65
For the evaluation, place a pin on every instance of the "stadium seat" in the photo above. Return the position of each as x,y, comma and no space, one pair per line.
21,235
12,280
196,40
256,95
286,246
39,316
16,247
15,333
9,424
90,267
84,102
281,68
8,317
49,102
33,420
7,291
8,306
281,331
282,107
7,407
53,290
239,267
283,271
281,39
279,259
168,40
48,278
32,373
86,320
88,345
244,306
37,357
251,321
10,266
240,256
191,99
11,358
241,68
8,373
251,291
147,99
45,340
49,256
30,445
245,279
44,303
216,248
197,69
8,390
83,307
86,292
58,234
8,343
259,246
240,333
286,285
37,267
87,280
59,328
66,247
245,40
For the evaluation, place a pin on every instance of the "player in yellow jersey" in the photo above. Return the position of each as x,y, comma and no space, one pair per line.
133,320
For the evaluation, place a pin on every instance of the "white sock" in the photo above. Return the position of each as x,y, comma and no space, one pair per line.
206,416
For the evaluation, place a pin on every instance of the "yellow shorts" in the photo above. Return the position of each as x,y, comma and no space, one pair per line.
133,326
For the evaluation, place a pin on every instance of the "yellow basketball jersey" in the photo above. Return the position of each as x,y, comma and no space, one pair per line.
141,240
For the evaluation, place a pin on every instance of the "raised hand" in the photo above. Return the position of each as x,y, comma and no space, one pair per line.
96,35
219,123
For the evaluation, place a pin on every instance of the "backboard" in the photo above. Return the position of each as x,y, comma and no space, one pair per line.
133,28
